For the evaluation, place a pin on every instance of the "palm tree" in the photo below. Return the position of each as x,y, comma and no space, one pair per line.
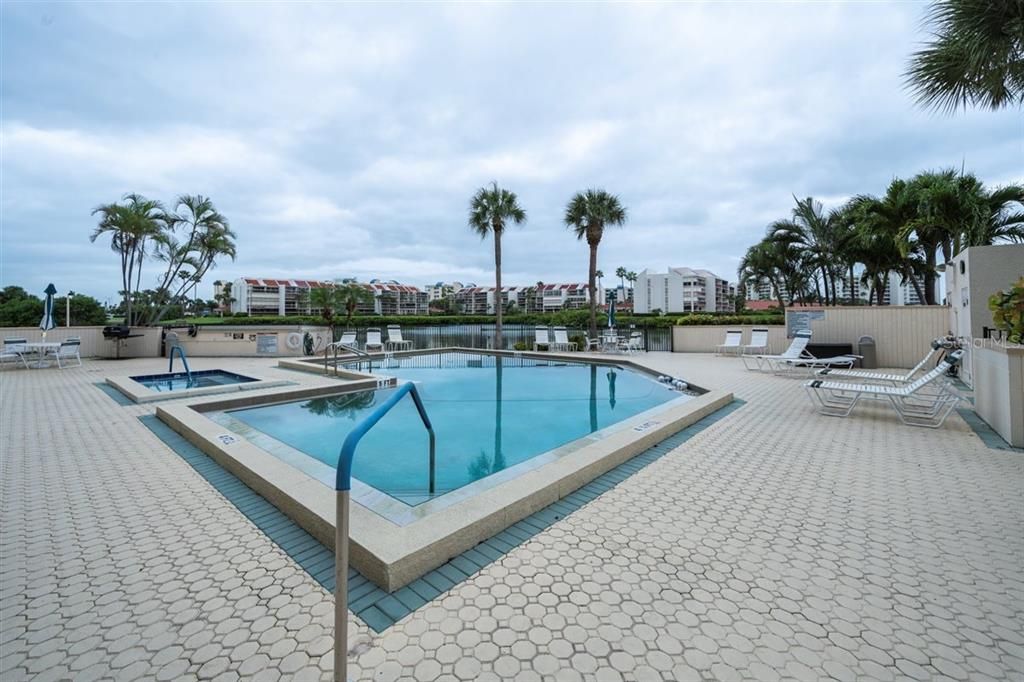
1002,217
816,234
490,210
620,272
975,59
587,214
207,236
350,296
133,227
632,277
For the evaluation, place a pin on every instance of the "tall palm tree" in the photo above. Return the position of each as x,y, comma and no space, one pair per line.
815,233
490,210
621,272
975,59
587,214
1002,217
206,237
133,227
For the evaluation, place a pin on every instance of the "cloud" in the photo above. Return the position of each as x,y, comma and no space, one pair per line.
345,140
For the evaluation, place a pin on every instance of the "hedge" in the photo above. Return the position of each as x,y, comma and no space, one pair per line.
707,319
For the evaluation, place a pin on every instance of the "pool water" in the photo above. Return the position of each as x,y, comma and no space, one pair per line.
179,381
487,414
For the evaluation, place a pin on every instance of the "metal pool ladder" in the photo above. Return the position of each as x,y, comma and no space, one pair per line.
184,361
342,490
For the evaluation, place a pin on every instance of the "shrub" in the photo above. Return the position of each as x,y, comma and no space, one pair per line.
1008,311
520,345
713,319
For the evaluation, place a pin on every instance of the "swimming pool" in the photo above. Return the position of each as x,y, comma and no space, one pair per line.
179,381
489,414
515,433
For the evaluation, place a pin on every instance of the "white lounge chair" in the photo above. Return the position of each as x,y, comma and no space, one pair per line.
867,376
347,342
395,340
14,351
540,338
758,342
809,364
373,342
634,343
797,349
562,341
732,346
925,402
69,349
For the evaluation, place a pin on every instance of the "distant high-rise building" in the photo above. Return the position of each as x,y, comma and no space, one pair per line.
682,290
255,296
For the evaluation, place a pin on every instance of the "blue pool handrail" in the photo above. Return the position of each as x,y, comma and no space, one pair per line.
348,448
184,361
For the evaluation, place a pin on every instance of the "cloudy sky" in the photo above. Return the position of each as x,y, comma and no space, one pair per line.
345,140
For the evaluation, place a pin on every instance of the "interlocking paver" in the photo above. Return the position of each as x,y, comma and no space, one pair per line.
774,543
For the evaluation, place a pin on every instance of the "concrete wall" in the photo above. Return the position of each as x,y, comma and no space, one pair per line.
902,333
999,390
706,338
972,276
247,340
93,343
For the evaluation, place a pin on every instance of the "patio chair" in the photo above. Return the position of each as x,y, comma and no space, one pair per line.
758,342
733,338
797,349
879,377
346,342
634,343
540,338
373,342
562,341
925,402
14,351
395,340
69,349
809,364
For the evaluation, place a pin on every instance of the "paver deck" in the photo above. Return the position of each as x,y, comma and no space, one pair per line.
776,543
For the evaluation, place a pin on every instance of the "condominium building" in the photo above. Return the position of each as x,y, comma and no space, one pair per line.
255,296
682,290
442,290
528,299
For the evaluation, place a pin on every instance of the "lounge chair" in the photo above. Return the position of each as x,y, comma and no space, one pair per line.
395,340
797,349
634,343
540,338
732,346
69,349
809,364
879,377
14,351
373,342
927,401
562,341
758,342
347,342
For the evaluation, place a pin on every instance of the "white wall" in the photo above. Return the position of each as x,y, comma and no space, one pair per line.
93,344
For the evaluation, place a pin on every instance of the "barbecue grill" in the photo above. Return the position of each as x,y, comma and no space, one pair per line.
118,333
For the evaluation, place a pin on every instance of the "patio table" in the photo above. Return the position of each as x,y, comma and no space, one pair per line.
609,342
41,348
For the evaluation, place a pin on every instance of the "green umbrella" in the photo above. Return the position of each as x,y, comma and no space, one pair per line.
611,312
48,322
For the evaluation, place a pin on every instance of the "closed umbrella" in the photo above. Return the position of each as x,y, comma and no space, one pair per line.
611,313
48,322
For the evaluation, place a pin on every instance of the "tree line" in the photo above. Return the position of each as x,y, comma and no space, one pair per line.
815,254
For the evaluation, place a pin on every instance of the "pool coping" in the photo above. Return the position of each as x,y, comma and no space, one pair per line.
391,555
140,394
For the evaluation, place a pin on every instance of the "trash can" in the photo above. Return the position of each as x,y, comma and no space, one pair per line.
866,349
